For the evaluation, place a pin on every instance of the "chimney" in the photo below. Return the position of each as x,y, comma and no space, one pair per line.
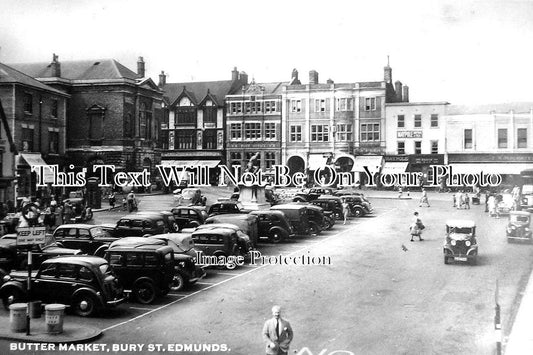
56,66
398,89
294,75
329,81
140,67
234,74
406,93
243,77
162,79
387,73
313,77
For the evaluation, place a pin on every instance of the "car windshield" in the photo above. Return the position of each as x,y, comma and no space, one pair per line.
188,193
105,269
461,230
97,232
519,218
527,189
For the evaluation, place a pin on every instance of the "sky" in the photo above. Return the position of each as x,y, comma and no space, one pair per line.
463,52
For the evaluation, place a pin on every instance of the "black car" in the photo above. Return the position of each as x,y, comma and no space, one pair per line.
86,283
146,270
170,222
223,207
297,216
139,225
312,194
359,205
189,216
331,205
273,225
90,239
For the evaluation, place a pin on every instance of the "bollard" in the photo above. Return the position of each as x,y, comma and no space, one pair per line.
17,317
54,315
35,309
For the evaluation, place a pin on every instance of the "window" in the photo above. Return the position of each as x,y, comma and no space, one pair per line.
270,159
418,147
319,133
27,139
502,138
185,139
320,105
54,108
235,107
210,114
66,271
401,121
210,139
256,163
434,147
142,120
185,116
418,121
344,132
370,132
235,158
270,107
96,123
53,140
521,138
296,133
296,105
434,120
344,104
468,138
28,103
236,131
400,147
270,130
252,130
370,104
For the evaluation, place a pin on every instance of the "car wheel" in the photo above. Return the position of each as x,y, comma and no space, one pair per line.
84,305
276,236
100,252
358,212
145,292
313,228
11,296
178,282
445,260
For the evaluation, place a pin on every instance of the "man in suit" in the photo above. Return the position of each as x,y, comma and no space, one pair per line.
277,334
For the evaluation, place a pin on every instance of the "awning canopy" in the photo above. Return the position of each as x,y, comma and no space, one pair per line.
394,167
489,168
317,161
35,159
372,162
180,163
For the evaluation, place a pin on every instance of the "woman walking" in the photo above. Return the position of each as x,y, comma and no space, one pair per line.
416,227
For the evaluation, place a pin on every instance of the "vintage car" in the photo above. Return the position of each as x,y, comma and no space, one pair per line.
519,227
506,204
190,197
145,269
460,243
337,204
224,207
273,225
329,208
16,258
243,240
82,212
359,205
85,283
526,198
168,217
312,194
138,225
221,243
247,222
90,239
189,216
297,216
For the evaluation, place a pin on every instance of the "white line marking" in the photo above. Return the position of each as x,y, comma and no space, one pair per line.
205,283
226,273
229,279
141,308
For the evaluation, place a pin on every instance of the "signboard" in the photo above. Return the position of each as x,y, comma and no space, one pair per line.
31,235
409,134
494,157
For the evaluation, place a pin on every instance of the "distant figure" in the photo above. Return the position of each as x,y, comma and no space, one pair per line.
277,334
416,227
400,191
424,198
466,200
112,200
345,210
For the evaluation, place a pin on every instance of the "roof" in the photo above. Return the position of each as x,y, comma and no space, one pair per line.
288,206
197,91
520,213
461,223
263,88
80,70
517,107
77,259
9,75
77,225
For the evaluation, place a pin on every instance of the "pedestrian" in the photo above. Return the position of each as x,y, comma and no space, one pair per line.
424,198
416,227
492,205
487,195
400,191
112,200
466,200
277,334
345,210
67,212
131,201
459,199
124,204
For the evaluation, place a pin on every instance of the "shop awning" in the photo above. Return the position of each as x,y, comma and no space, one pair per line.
35,159
372,162
317,161
489,168
180,163
394,167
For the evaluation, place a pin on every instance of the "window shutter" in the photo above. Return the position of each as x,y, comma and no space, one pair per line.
327,105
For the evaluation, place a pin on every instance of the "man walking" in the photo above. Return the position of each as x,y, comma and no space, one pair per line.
277,334
424,198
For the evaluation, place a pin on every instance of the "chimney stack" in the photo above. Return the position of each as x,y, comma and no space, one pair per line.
406,93
56,66
140,67
162,79
387,73
294,75
243,78
398,90
234,74
313,77
329,81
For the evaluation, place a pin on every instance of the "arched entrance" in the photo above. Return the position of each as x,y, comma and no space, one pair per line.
345,164
296,164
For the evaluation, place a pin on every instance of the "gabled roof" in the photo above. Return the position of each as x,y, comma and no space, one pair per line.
264,88
9,75
197,91
80,70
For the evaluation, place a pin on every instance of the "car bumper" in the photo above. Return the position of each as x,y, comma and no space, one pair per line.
115,302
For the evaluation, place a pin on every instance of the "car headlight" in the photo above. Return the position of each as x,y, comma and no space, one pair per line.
513,227
453,242
467,243
181,263
7,278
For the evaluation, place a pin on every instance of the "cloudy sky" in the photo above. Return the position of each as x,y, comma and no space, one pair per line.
457,51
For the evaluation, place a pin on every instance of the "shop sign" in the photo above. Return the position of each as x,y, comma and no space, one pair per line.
429,159
409,134
492,158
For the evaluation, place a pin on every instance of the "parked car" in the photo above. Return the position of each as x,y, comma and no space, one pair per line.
273,225
223,207
336,208
222,243
312,194
519,227
189,216
460,243
526,198
243,240
90,239
82,212
317,221
145,270
330,211
170,222
297,217
16,258
506,204
138,225
191,197
359,205
247,222
85,283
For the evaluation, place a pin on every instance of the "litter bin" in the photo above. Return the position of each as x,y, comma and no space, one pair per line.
35,309
54,315
17,317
